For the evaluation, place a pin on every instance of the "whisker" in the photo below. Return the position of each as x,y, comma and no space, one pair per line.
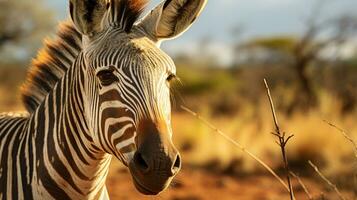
176,184
176,96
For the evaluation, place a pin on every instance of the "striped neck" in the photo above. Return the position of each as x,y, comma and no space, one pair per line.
68,164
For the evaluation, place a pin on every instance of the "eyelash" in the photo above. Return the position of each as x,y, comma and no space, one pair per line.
171,77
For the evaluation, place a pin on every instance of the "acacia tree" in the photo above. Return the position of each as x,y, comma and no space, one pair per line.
23,23
302,51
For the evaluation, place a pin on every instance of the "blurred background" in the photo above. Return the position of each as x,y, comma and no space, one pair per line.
306,49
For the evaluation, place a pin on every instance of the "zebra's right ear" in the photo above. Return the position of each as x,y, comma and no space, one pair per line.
87,15
171,18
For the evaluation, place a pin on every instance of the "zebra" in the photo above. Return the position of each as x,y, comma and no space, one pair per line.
99,90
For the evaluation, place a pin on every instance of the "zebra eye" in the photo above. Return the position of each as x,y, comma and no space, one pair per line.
171,77
107,77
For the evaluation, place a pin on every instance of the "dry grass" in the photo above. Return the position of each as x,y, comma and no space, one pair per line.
239,146
310,142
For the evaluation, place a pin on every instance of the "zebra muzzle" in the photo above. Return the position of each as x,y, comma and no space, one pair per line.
156,160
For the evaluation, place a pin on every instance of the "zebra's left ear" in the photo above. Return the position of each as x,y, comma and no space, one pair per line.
171,18
87,15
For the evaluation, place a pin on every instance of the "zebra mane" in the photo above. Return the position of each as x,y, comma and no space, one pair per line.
50,65
58,54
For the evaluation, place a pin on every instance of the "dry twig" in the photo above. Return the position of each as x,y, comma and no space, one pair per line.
354,144
309,196
344,133
333,186
282,141
242,148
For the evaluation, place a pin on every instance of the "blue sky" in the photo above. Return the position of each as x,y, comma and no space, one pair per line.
256,17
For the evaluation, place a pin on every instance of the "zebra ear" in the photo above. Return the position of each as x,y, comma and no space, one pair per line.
171,18
87,15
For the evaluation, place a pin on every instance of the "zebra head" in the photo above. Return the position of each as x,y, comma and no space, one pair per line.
127,82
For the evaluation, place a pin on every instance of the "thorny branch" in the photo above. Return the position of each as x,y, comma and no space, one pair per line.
282,141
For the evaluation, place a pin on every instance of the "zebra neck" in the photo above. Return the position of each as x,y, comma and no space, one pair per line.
69,165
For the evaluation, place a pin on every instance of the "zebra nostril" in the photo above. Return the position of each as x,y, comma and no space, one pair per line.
177,165
140,163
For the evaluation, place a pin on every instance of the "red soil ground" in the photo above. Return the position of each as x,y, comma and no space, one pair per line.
195,184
